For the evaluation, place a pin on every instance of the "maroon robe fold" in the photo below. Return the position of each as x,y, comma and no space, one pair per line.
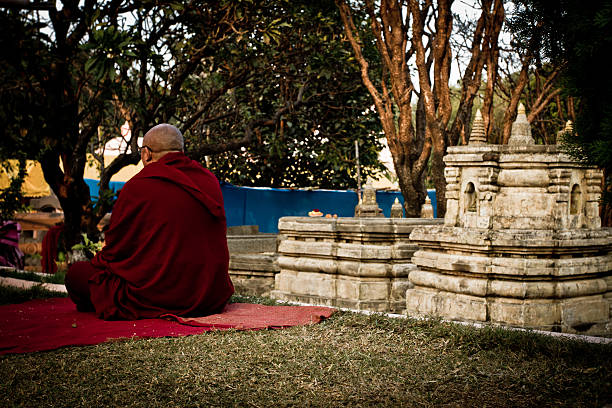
49,248
166,245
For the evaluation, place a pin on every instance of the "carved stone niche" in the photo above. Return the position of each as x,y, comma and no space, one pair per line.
575,200
470,203
577,192
576,208
469,198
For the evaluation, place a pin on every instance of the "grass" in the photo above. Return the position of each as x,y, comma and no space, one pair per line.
348,360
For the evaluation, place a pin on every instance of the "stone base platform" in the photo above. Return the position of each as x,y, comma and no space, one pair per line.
556,281
586,315
358,263
353,292
252,264
253,274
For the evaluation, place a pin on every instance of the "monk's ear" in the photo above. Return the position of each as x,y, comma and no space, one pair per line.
146,156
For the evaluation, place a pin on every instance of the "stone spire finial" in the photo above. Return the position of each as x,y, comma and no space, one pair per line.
478,135
368,207
567,130
521,129
397,211
426,208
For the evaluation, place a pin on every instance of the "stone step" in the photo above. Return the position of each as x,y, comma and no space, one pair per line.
26,284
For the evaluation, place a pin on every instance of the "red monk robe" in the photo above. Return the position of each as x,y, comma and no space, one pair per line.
166,246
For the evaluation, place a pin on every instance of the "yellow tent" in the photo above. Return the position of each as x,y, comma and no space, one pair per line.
34,184
126,173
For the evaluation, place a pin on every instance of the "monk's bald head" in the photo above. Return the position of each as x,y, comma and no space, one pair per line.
164,138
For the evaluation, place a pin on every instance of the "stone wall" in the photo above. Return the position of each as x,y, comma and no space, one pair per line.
537,280
252,260
358,263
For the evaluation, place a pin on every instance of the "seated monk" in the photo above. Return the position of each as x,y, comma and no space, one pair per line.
166,245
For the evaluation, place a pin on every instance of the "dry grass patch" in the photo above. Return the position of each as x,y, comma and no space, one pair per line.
348,360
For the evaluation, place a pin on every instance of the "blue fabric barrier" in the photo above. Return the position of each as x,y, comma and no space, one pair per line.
94,188
263,206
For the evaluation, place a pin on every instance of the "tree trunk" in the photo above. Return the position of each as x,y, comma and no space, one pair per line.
410,151
73,195
437,172
392,29
494,26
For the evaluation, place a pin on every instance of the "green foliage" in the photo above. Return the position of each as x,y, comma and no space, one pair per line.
110,50
312,144
275,76
88,246
553,117
24,61
11,199
579,35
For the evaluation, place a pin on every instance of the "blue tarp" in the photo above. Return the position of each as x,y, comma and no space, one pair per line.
94,188
264,206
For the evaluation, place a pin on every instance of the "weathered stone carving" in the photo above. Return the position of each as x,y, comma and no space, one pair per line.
252,265
368,207
521,129
359,263
427,208
569,128
477,136
521,244
397,211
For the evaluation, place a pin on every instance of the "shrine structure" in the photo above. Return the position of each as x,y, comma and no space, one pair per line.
357,263
521,244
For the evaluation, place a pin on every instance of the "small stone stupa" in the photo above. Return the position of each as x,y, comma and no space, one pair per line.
478,137
521,129
427,208
569,128
397,210
368,207
522,243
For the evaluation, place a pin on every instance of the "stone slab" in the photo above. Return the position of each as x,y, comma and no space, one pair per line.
251,243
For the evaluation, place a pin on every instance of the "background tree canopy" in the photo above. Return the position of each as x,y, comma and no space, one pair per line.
577,35
265,90
274,92
311,72
506,53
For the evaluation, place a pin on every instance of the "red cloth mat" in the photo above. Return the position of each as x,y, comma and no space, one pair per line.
47,324
246,316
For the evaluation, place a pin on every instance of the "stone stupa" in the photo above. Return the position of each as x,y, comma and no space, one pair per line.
522,243
368,206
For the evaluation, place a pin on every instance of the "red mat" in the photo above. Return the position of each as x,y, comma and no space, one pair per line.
48,324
